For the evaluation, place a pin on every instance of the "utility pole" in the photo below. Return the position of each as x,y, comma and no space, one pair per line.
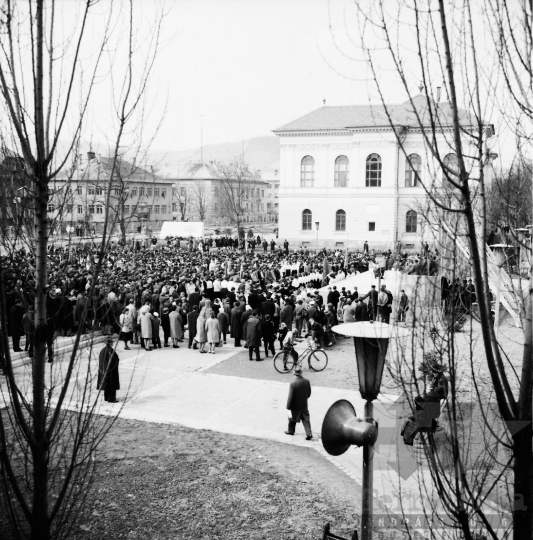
201,139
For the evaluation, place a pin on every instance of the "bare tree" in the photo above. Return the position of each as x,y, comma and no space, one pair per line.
236,185
184,198
448,56
47,451
200,200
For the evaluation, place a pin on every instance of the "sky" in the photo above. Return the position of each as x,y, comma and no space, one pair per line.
231,69
239,68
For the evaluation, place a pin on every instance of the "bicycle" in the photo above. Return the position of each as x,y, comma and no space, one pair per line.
317,359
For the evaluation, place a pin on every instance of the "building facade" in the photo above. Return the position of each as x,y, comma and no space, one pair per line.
271,176
138,198
345,179
200,193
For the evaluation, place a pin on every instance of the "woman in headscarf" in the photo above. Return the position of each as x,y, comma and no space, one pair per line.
145,319
213,332
126,327
201,333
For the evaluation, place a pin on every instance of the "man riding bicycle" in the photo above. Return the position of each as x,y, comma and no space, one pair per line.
288,346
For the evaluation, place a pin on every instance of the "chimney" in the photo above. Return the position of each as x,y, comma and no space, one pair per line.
90,155
438,94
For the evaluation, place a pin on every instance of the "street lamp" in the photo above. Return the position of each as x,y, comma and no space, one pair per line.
341,428
317,225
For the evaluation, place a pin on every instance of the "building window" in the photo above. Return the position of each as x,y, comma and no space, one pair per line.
174,207
91,209
262,193
307,219
340,220
126,209
164,209
157,192
98,190
373,170
410,221
134,192
156,209
51,207
141,192
99,209
116,191
164,193
307,175
413,167
80,209
451,162
371,226
149,192
342,165
183,191
80,190
69,208
90,191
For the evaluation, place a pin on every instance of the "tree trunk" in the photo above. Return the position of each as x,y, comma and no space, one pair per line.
522,448
40,526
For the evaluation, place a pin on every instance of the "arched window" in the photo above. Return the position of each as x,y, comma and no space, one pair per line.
307,175
411,221
373,170
451,162
413,167
340,220
342,167
307,220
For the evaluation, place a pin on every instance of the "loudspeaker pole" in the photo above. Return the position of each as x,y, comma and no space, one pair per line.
368,480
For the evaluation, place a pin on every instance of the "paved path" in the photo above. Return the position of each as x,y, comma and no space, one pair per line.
188,388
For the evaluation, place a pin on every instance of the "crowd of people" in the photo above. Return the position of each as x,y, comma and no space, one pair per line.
151,294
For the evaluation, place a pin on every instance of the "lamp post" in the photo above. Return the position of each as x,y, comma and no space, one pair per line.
500,256
340,428
317,225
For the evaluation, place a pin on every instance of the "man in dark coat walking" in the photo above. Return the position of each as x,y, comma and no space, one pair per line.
192,318
253,336
17,330
236,332
299,393
269,335
108,379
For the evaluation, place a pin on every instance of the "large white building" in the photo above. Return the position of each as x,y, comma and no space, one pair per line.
343,168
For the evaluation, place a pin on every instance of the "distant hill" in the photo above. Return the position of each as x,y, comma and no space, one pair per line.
259,153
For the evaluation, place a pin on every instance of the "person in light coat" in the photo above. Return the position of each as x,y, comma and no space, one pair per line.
146,326
201,333
176,324
213,332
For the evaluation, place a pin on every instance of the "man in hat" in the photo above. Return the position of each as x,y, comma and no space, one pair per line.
299,393
108,379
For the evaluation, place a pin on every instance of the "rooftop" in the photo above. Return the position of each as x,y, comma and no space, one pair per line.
346,117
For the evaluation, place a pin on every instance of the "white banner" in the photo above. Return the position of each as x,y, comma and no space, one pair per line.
182,228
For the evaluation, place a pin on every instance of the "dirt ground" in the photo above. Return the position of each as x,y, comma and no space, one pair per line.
160,482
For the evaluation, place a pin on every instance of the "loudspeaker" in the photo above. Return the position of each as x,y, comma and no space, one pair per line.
341,428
